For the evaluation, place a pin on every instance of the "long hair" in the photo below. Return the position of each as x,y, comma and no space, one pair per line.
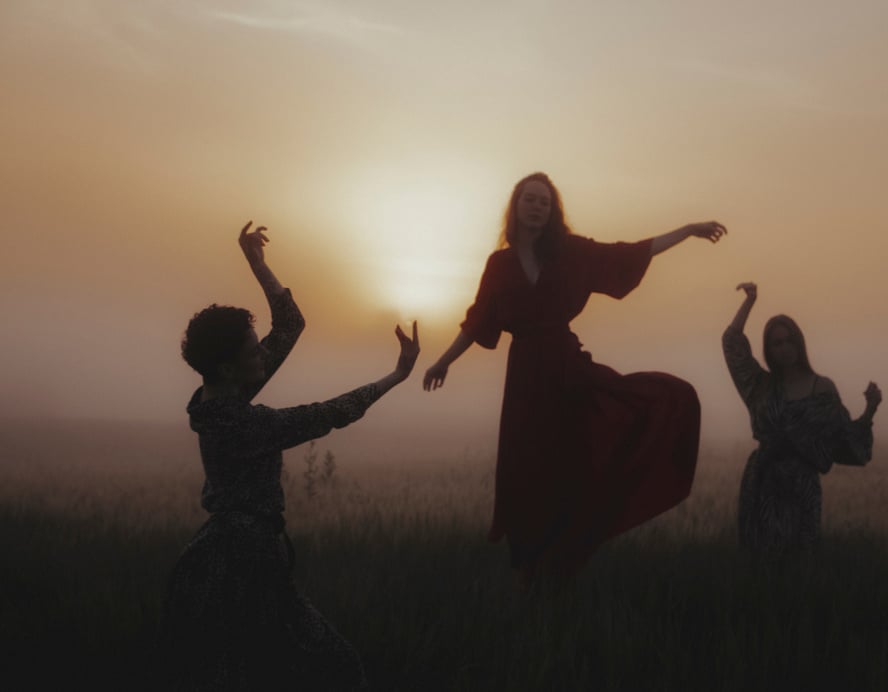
795,336
555,229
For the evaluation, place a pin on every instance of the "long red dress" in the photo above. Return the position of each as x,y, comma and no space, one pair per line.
585,453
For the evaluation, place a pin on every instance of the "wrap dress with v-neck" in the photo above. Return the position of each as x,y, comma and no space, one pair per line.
585,453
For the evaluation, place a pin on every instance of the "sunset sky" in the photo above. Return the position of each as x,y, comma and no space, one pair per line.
379,140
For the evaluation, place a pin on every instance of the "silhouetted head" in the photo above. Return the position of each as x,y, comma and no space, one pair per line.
535,205
784,345
221,344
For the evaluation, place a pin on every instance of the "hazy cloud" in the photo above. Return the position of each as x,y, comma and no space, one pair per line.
308,18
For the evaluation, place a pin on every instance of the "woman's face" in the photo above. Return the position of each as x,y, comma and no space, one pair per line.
781,347
534,205
249,365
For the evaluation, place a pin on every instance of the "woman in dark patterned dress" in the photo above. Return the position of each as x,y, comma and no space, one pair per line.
584,453
802,429
233,620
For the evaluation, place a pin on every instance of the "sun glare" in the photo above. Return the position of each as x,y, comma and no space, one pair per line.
422,240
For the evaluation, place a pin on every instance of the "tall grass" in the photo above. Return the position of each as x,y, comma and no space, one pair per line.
396,557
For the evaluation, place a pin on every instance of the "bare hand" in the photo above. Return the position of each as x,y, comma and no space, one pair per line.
873,396
751,290
434,377
409,351
252,243
711,230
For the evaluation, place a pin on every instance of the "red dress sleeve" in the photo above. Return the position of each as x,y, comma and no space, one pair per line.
615,268
481,323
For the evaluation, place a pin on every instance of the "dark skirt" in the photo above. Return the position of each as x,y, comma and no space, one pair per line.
780,504
585,453
233,619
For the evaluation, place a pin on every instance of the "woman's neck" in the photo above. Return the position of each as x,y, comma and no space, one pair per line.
793,374
525,238
219,390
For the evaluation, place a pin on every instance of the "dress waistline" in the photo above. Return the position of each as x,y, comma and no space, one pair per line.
542,330
276,522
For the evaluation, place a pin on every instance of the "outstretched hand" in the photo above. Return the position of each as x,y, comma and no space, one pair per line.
409,351
751,290
252,242
711,230
873,396
434,377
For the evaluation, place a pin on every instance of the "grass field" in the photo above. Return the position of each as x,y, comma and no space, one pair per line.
93,517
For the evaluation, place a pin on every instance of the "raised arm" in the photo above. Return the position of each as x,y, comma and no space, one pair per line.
873,396
252,244
747,374
751,290
437,373
275,429
287,322
406,360
711,230
837,438
316,420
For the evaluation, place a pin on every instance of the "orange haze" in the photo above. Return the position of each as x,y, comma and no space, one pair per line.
379,141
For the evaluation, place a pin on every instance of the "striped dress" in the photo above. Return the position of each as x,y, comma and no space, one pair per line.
799,439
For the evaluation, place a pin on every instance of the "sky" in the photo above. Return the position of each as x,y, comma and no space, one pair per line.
379,140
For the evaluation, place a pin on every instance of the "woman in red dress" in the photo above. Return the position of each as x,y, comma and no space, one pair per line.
585,453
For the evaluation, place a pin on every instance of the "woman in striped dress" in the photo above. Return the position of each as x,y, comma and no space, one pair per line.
802,429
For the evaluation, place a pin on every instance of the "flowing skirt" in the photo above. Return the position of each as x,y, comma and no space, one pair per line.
586,453
233,620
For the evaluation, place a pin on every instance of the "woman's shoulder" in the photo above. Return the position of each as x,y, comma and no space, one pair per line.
574,241
575,246
498,257
824,385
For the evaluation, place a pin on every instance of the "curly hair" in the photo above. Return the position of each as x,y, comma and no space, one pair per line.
795,337
214,336
556,227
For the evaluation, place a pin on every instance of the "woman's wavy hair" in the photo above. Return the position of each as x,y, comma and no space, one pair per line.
215,336
555,229
795,336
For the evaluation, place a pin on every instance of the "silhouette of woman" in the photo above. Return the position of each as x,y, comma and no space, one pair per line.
233,620
802,429
584,452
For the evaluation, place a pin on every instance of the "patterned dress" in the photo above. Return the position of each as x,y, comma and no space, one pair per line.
799,439
233,619
585,453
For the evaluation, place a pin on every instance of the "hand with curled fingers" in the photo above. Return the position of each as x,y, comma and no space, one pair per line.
873,396
711,230
252,242
434,377
750,289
